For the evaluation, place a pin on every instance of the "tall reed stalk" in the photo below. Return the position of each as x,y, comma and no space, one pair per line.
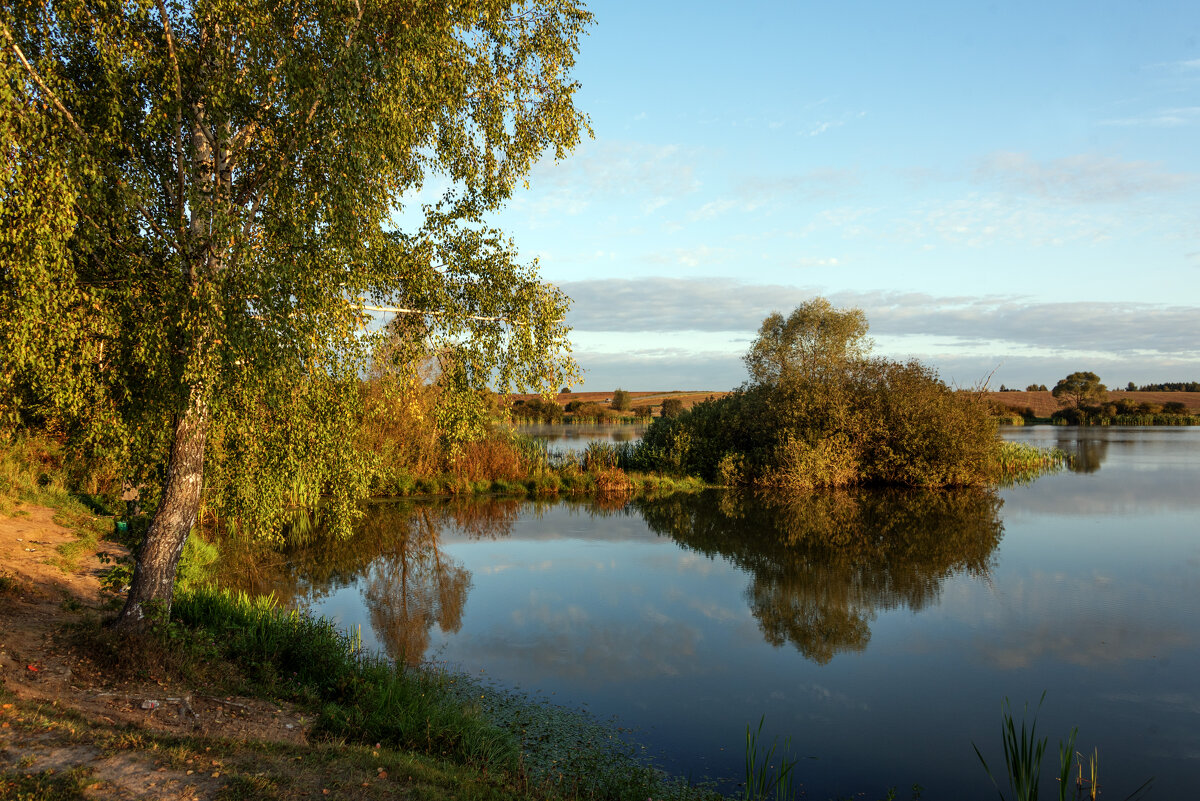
1023,752
763,779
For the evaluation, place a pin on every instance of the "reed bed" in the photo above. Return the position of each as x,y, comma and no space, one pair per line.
1020,462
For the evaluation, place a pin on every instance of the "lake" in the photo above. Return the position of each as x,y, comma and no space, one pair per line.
879,630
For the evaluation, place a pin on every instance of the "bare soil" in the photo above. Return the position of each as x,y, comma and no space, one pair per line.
39,601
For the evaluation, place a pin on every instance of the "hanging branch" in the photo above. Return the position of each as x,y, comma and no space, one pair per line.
38,80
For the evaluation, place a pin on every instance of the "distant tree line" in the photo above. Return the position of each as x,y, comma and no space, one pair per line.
1170,386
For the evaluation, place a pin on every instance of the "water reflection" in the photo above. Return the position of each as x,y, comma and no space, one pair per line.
576,436
411,585
822,565
1087,453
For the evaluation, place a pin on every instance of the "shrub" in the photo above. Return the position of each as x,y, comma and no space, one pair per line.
672,407
621,400
538,409
880,422
592,411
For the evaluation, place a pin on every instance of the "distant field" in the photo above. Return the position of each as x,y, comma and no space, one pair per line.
1042,403
689,398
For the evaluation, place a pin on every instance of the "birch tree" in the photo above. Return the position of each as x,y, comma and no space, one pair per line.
198,206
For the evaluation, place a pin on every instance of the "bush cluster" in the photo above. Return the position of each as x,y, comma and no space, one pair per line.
537,409
1125,412
875,422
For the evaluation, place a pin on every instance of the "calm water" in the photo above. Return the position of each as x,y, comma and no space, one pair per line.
576,436
880,630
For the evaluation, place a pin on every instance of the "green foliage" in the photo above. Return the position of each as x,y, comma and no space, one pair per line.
763,779
1018,461
599,456
1169,386
814,342
1036,388
1081,390
591,412
672,407
878,422
537,409
819,413
621,400
197,206
363,698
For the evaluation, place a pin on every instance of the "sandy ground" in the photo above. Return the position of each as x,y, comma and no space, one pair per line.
38,665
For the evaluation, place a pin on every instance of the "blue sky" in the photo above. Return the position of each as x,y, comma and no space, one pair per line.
1008,189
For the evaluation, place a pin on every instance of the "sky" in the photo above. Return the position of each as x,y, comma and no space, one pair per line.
1009,191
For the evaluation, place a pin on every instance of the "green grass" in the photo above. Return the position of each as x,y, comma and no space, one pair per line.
541,749
361,697
765,780
47,785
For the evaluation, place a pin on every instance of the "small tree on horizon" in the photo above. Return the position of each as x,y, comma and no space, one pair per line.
672,407
621,400
1080,390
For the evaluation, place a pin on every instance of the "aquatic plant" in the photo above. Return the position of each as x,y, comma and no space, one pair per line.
1023,752
763,779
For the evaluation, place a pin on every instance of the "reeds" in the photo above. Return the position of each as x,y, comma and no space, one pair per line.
1023,752
1020,462
765,780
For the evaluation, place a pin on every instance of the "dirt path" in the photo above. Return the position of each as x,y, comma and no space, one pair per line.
39,600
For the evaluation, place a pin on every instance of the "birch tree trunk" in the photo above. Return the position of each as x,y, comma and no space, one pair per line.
153,585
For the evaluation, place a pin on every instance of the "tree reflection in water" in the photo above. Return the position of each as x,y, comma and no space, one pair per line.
395,556
412,585
823,564
1087,452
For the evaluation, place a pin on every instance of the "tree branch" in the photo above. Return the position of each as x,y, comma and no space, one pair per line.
38,80
179,169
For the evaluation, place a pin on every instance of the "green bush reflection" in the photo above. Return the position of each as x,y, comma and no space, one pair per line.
822,564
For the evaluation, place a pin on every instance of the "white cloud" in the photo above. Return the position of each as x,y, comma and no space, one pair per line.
617,169
1081,178
700,256
723,304
1163,118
